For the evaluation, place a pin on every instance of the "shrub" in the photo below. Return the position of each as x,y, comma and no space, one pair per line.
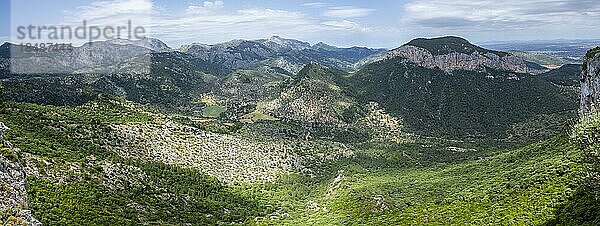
9,153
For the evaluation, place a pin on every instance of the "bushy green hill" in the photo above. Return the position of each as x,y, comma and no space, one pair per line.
567,75
312,96
462,104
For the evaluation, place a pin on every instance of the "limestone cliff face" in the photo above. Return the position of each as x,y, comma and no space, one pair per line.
590,83
13,184
453,61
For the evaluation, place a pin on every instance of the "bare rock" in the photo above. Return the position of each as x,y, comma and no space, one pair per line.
454,61
590,83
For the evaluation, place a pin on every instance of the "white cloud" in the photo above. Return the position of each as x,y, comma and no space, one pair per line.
501,15
207,6
315,4
345,25
348,12
206,23
106,9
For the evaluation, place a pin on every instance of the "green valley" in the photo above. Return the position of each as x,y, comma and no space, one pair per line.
280,132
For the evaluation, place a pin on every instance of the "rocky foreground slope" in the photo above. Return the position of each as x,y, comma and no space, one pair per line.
590,82
14,204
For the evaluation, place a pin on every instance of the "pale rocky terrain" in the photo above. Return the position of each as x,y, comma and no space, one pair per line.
590,83
230,158
13,187
459,61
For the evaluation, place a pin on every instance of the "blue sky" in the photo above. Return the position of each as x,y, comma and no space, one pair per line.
384,23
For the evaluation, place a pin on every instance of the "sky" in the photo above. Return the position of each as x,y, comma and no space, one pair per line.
382,23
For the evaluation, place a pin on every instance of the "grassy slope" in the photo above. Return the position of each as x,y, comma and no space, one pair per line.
522,186
584,207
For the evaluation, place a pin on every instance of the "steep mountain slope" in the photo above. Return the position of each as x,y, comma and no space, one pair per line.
165,80
280,44
590,82
233,54
478,98
149,43
14,202
453,53
89,55
313,97
566,75
252,85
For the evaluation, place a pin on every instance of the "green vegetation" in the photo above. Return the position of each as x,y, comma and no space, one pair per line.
213,111
465,104
49,90
592,52
256,116
170,195
1,94
8,153
418,182
583,208
567,75
468,148
10,217
77,185
521,186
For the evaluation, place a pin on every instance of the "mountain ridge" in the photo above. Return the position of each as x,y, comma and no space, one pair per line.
454,53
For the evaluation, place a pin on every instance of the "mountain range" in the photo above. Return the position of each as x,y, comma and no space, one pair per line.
442,86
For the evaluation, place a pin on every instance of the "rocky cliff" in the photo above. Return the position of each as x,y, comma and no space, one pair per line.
452,53
14,204
590,82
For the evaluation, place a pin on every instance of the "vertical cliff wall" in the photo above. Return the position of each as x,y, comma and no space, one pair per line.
590,83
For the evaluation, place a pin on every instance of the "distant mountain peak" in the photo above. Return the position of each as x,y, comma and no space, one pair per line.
322,45
278,42
150,43
276,38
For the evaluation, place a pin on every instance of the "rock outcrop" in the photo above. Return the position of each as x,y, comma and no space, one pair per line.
450,62
453,53
14,204
590,82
